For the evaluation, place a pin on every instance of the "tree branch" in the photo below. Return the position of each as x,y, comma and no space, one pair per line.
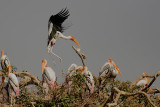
128,94
81,55
30,79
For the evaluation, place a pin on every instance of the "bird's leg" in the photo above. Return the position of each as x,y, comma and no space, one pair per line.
51,52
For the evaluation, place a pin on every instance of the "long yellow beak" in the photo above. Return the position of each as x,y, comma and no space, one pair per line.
43,65
1,54
118,70
120,73
74,40
83,69
9,69
146,77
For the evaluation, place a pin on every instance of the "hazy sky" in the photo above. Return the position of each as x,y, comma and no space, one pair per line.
128,31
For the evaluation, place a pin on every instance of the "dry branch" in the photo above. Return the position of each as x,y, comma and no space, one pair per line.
128,94
81,55
30,79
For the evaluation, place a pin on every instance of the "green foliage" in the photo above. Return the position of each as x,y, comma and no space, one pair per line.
77,93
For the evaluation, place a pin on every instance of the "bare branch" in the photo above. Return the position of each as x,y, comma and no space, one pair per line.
81,55
128,94
30,79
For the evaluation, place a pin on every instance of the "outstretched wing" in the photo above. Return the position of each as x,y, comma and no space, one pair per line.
55,23
58,19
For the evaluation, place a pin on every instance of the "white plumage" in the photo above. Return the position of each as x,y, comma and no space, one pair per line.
143,82
11,87
48,76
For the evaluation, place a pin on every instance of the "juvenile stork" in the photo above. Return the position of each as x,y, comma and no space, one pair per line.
55,30
10,88
48,76
143,82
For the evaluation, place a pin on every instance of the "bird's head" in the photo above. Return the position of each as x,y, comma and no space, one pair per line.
44,63
117,67
146,77
9,69
112,62
74,40
2,52
81,69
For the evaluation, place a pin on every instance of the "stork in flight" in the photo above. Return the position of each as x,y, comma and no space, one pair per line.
10,88
48,76
55,30
143,82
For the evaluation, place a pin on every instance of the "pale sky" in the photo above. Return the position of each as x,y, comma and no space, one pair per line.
125,30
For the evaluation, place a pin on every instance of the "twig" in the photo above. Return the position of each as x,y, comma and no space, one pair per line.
128,94
26,81
81,55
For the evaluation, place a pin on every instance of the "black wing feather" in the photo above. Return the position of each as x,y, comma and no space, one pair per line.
59,18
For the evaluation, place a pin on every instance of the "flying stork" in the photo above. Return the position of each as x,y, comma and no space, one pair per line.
55,30
143,82
48,76
10,88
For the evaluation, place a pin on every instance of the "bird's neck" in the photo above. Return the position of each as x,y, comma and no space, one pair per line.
65,37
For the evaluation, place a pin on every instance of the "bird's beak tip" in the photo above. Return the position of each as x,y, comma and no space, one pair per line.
74,40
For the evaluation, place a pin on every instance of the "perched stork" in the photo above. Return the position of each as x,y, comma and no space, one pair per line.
143,82
83,71
48,75
71,70
11,88
110,67
55,30
89,80
5,63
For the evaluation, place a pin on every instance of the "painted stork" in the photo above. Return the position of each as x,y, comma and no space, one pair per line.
143,82
10,88
110,67
55,30
89,80
71,70
5,63
84,71
48,76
